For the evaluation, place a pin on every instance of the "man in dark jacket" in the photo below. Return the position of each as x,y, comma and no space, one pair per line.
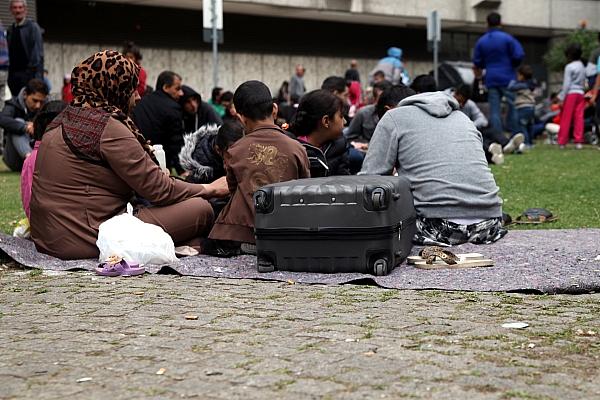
159,117
25,48
196,113
16,119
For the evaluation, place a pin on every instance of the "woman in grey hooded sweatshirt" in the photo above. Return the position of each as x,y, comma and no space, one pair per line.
439,149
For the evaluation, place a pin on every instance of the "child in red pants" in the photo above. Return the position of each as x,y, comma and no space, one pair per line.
572,95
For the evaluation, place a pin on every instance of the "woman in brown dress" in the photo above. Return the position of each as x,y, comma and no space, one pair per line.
92,161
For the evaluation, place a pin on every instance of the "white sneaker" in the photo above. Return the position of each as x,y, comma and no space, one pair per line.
514,143
498,159
496,151
579,146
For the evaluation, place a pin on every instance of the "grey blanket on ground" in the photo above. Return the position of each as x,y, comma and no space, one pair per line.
537,261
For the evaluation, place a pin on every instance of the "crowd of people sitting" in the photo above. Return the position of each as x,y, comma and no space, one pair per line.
84,161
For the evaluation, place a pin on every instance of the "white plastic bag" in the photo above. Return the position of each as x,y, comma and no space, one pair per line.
128,237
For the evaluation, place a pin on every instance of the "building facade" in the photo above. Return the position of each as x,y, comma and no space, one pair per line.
265,39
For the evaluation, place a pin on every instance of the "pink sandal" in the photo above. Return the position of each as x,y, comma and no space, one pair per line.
115,266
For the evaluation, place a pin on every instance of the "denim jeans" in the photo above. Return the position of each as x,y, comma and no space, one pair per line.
355,158
526,119
495,95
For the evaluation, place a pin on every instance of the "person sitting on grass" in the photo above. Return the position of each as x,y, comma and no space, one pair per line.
430,142
318,127
16,120
48,112
495,143
264,155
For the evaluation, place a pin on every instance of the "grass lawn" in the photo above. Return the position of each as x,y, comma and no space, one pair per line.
11,210
567,182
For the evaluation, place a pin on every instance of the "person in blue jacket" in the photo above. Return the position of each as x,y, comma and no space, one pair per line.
392,67
499,54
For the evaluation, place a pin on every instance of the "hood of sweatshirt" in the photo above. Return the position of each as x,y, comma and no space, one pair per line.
437,104
187,93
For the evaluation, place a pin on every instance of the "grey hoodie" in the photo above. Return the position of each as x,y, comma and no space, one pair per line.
440,151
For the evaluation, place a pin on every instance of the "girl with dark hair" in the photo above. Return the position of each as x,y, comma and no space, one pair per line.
571,95
318,127
48,112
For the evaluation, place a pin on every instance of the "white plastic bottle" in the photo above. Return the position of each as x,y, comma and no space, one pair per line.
159,153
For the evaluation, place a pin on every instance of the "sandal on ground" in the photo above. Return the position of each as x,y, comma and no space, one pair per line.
535,216
434,257
115,266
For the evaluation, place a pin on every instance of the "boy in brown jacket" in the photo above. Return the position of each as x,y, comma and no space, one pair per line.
264,155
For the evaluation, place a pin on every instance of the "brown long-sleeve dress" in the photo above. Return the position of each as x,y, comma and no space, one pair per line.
263,156
71,197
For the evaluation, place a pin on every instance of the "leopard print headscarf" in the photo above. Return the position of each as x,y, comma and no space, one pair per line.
107,80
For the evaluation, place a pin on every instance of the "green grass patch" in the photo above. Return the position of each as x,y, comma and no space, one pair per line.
565,182
11,210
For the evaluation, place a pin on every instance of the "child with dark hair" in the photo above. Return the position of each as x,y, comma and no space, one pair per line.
202,152
525,101
48,112
390,98
424,84
264,155
571,95
318,127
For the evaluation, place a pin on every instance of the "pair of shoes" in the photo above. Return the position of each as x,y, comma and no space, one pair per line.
514,143
579,146
221,248
496,151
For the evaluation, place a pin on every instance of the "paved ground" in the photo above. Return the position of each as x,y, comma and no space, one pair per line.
78,336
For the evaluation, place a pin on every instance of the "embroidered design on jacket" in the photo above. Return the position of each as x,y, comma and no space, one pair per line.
272,161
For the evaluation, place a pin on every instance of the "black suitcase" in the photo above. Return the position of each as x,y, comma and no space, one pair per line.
334,224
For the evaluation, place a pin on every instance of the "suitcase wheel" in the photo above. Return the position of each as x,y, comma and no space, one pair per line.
265,266
380,267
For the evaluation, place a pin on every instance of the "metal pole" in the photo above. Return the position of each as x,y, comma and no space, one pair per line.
435,61
214,44
435,48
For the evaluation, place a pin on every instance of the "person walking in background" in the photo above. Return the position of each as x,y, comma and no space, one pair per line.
352,74
132,52
499,54
4,61
297,87
392,68
571,95
25,48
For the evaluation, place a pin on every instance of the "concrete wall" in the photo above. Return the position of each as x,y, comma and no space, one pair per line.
545,14
195,66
